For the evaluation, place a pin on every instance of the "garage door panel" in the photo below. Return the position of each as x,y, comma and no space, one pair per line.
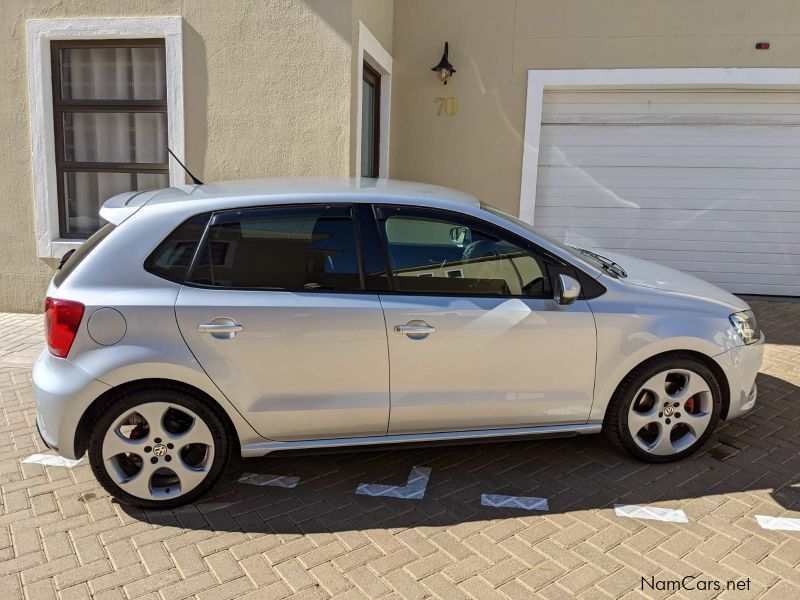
671,136
652,118
748,100
703,196
704,181
704,269
613,201
709,156
680,234
611,111
610,222
689,256
622,214
668,178
700,244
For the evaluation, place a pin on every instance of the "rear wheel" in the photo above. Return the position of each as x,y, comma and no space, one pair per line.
665,409
158,448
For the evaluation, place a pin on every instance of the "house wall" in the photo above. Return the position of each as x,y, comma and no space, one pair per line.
493,43
267,92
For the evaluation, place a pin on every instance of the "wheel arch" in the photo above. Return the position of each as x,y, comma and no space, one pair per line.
703,359
93,411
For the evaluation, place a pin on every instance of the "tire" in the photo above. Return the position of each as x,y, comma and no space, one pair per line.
158,448
686,406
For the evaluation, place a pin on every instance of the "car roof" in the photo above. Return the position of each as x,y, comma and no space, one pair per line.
299,189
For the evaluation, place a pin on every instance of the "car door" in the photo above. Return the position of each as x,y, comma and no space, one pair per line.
476,340
276,314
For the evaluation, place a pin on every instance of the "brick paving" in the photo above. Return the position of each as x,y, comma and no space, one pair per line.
62,537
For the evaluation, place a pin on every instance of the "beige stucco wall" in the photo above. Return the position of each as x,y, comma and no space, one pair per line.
493,43
267,92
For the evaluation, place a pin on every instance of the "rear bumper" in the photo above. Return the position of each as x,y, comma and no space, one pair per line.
63,392
741,365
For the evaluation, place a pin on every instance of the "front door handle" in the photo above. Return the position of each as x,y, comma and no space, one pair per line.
415,330
222,329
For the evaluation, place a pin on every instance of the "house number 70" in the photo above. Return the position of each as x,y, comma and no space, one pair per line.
447,105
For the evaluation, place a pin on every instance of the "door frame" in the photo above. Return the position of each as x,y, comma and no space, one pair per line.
574,79
375,55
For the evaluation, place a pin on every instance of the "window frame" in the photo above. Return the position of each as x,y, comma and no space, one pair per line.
62,106
39,34
355,220
553,265
371,76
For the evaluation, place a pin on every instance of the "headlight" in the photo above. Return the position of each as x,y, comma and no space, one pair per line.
745,325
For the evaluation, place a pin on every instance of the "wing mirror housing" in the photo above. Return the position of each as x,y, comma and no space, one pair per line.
567,290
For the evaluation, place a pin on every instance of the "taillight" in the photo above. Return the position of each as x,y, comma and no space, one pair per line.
61,321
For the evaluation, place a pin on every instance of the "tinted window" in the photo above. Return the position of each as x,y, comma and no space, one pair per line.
304,248
172,257
82,252
429,253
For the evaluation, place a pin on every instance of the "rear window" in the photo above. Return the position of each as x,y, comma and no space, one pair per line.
300,248
172,257
77,256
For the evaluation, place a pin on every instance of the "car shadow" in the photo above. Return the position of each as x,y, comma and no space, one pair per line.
756,453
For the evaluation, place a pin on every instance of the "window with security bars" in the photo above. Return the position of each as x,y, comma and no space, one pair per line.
110,104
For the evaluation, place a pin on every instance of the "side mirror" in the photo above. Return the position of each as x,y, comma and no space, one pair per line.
568,290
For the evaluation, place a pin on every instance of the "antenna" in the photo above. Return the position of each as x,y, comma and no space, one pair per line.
194,179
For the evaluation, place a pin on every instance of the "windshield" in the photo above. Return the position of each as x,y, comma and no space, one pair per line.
587,258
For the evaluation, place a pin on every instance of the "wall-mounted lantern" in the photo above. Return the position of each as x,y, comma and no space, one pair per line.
444,70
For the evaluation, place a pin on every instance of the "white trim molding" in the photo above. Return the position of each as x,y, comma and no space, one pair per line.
570,79
371,50
40,96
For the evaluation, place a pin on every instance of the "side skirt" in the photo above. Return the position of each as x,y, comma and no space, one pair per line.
262,448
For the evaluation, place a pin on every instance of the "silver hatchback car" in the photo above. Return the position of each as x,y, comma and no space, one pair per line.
208,321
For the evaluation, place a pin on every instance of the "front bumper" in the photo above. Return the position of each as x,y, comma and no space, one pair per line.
741,365
63,392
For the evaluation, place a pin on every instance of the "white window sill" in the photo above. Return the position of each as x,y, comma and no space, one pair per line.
60,247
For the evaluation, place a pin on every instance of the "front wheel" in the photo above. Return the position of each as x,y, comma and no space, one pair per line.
158,448
665,409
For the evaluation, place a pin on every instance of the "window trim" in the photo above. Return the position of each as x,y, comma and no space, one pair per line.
550,261
373,77
355,220
40,32
371,51
61,106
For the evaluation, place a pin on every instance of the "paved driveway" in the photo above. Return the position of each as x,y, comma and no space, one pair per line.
61,536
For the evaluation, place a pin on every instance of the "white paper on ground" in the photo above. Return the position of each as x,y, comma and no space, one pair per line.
414,489
51,460
523,502
652,513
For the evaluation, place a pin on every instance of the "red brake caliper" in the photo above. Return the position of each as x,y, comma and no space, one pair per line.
690,406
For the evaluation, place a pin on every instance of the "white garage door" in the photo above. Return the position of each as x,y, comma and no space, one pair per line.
707,182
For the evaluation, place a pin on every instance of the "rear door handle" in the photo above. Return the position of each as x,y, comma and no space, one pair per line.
222,329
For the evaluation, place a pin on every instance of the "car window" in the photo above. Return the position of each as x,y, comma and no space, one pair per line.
303,248
77,256
432,253
172,257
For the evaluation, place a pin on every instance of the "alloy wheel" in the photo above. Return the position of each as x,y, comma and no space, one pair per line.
158,450
670,412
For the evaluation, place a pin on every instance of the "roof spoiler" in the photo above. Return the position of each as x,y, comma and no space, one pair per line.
120,207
